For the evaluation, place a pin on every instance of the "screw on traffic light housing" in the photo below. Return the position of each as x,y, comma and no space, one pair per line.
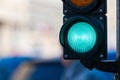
84,32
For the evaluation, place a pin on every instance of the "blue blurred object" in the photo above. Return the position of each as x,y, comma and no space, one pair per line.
47,71
52,70
9,65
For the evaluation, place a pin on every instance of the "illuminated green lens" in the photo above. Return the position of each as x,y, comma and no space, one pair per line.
81,37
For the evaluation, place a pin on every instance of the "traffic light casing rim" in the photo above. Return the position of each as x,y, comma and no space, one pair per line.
94,22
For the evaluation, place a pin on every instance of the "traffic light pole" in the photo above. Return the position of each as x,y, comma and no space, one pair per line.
118,38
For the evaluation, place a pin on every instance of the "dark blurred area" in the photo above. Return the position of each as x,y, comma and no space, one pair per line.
29,42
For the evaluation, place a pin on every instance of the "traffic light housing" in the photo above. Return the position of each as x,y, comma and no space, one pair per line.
84,32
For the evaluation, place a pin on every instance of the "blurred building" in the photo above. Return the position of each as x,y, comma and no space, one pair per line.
14,16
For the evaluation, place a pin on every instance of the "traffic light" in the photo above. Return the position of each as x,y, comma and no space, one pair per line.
84,32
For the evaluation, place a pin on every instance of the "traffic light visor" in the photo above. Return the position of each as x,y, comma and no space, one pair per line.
81,37
82,3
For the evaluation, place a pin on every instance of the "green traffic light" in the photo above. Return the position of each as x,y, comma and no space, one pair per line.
81,37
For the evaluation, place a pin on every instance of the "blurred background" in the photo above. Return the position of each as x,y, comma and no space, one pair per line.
29,30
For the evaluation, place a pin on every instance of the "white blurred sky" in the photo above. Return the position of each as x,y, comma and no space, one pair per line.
34,25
